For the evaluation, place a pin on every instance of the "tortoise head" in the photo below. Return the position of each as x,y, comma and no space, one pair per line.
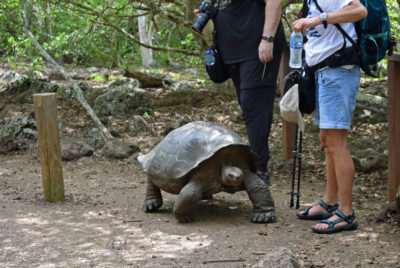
231,176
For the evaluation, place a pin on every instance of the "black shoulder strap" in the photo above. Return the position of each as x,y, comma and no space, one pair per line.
304,10
346,35
303,13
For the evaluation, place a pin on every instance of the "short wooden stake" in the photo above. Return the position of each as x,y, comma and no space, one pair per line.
49,146
288,129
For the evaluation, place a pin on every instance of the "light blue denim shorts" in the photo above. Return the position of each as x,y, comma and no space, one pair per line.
336,96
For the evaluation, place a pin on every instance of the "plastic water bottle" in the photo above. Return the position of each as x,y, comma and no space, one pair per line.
210,59
296,46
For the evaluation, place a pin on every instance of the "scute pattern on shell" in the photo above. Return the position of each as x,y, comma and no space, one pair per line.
186,147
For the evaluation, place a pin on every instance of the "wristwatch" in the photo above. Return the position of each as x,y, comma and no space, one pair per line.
268,38
324,18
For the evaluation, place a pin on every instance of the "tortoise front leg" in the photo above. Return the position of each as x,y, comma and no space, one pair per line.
153,199
260,196
187,199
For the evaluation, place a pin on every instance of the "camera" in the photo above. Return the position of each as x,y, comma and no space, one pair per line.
207,11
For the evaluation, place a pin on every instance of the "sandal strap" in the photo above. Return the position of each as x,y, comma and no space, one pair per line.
349,219
331,224
306,211
327,207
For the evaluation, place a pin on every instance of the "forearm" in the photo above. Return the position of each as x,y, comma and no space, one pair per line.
355,11
272,16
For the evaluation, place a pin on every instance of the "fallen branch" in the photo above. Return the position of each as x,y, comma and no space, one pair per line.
146,79
216,261
259,252
126,221
79,94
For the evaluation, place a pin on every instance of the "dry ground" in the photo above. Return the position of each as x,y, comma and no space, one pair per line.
102,223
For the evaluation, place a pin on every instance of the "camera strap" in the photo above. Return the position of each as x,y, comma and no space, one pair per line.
214,32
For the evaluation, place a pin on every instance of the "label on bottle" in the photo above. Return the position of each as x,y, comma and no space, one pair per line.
296,45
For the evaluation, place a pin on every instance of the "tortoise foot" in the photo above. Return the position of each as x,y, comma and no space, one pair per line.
152,204
186,218
263,216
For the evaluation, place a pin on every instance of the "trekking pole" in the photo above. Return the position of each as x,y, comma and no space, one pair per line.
299,155
292,193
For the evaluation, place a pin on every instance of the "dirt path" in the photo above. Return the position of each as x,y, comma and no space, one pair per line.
102,224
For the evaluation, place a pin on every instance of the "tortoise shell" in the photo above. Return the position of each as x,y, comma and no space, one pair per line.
186,147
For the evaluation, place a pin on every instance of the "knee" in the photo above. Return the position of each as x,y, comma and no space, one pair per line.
326,143
322,139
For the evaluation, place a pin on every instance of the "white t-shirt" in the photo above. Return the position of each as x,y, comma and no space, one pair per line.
324,42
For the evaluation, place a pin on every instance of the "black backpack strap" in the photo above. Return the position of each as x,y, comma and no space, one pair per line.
304,10
346,35
303,14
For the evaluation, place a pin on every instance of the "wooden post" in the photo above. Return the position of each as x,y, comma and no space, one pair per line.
394,125
288,129
49,145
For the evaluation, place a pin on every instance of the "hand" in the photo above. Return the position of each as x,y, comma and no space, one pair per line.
303,24
265,51
196,12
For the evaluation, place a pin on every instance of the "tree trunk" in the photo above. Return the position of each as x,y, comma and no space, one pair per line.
145,36
191,5
47,20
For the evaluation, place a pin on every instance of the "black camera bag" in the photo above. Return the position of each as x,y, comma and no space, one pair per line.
306,80
307,89
217,72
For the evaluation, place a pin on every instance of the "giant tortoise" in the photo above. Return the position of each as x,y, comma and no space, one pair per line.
200,159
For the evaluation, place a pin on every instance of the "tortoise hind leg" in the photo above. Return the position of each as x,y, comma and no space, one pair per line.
260,196
153,199
187,200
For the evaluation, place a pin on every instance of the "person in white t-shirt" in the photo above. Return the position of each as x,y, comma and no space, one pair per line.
336,90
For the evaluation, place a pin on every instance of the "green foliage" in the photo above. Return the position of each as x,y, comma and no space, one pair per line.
102,33
98,78
93,32
148,113
393,9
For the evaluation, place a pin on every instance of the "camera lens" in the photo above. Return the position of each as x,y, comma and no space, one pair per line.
201,22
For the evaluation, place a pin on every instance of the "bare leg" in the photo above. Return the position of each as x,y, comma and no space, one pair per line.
331,189
340,172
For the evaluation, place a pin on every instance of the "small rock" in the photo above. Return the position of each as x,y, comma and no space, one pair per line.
139,125
74,149
118,149
280,257
185,119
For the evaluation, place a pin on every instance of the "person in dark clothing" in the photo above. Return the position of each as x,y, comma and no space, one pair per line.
250,37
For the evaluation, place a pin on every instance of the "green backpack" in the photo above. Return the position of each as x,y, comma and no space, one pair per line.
374,36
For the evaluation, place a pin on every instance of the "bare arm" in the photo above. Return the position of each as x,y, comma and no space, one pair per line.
272,17
354,11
